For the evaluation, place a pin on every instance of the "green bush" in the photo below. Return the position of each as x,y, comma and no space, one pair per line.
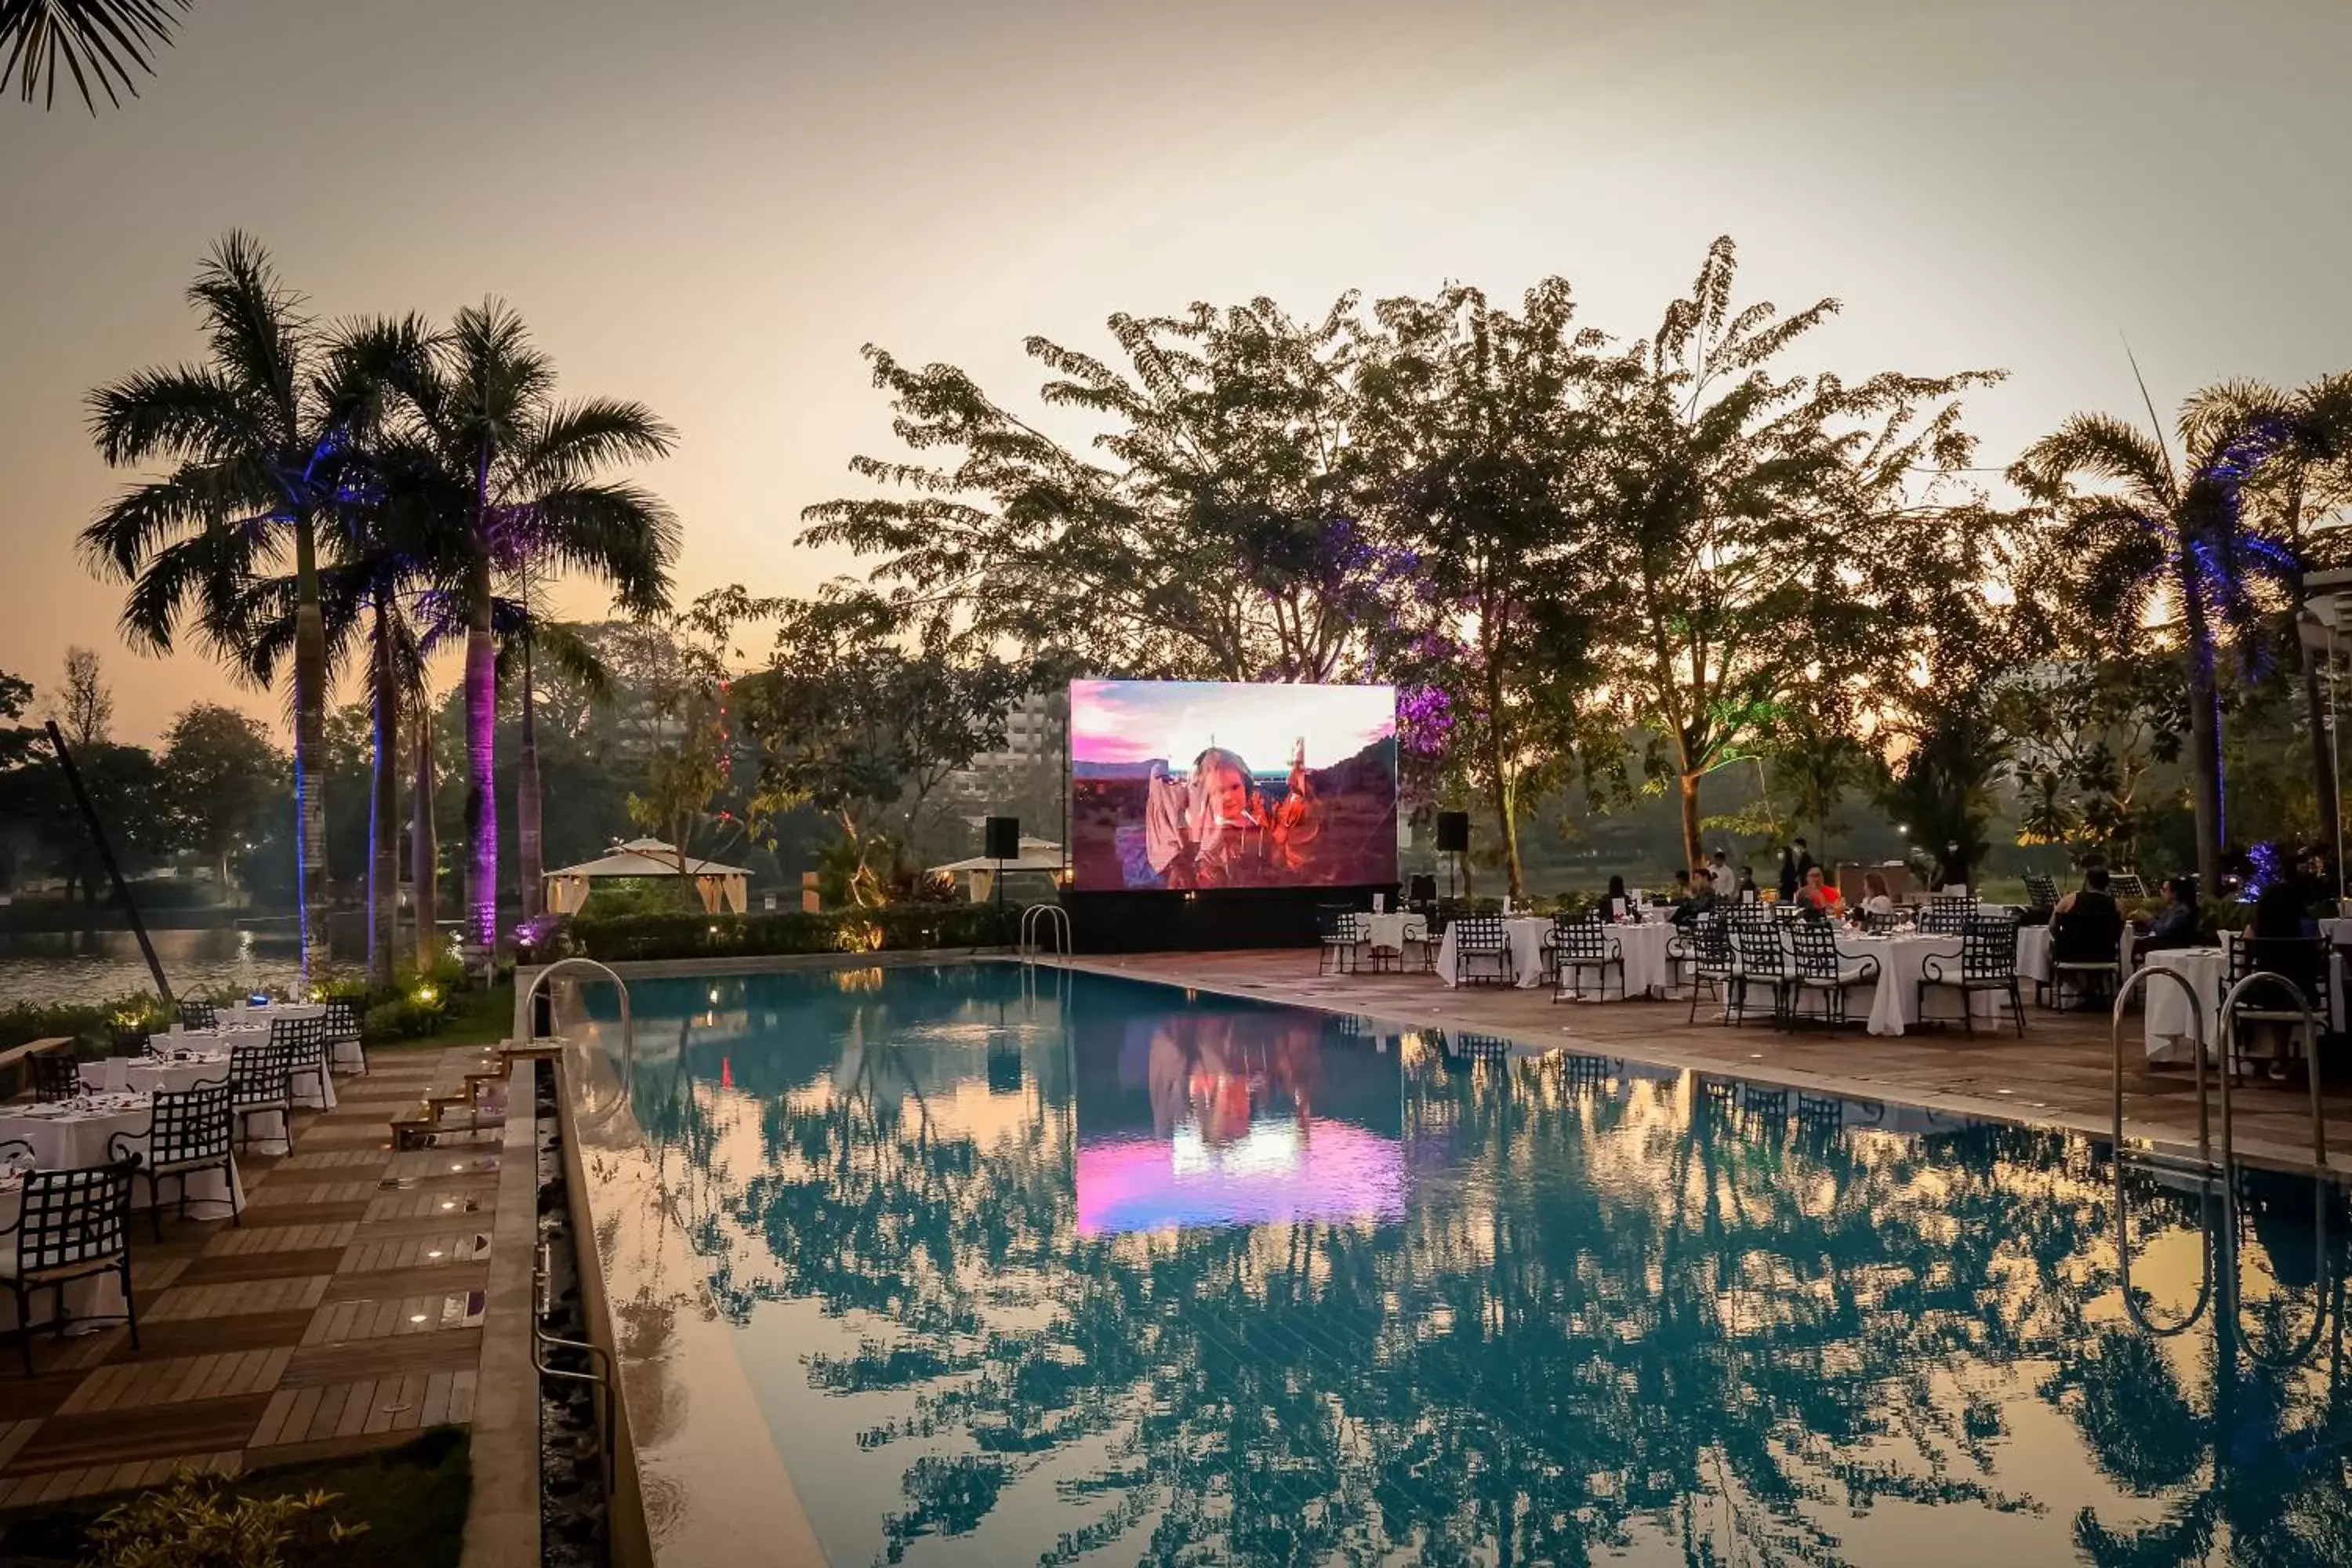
407,1017
896,928
200,1522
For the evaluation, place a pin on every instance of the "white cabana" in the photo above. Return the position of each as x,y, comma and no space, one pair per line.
1040,855
716,885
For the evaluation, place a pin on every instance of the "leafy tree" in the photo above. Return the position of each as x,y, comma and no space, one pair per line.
1480,431
101,44
2143,538
84,705
679,667
1219,539
259,440
513,475
125,788
1759,520
2090,729
222,777
863,718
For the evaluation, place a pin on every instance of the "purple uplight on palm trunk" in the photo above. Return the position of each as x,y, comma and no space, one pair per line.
481,793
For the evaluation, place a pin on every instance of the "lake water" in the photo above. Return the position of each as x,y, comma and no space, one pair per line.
42,967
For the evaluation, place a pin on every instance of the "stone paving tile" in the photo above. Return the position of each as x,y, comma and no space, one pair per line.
371,1319
203,1301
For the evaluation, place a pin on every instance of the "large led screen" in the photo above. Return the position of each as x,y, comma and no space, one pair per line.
1186,785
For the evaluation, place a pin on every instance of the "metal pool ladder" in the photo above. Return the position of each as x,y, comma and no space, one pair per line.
1040,923
628,1030
600,1374
2228,1043
2218,1212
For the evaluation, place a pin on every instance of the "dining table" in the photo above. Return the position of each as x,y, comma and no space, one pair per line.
64,1134
1642,946
315,1092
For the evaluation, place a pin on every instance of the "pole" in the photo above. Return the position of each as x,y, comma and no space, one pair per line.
106,853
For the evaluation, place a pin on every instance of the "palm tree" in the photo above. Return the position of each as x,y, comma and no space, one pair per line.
99,43
260,439
2304,475
2148,535
520,469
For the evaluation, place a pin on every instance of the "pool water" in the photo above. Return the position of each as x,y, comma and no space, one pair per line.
1036,1268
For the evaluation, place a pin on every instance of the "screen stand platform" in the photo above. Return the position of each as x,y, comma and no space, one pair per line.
1221,920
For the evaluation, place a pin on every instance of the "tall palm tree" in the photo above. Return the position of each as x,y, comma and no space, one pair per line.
2304,475
260,439
2147,538
520,469
101,44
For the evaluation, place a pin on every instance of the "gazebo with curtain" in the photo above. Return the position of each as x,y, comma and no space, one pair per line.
719,886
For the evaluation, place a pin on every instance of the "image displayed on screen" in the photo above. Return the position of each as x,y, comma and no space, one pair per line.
1188,784
1217,1115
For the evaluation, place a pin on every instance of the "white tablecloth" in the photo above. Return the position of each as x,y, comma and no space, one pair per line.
1643,949
2170,1016
1525,935
1392,930
178,1077
66,1139
2034,953
1901,962
316,1091
343,1053
99,1296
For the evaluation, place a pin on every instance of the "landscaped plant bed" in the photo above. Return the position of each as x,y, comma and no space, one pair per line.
572,1501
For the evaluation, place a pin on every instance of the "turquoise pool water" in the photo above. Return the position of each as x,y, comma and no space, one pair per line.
1070,1270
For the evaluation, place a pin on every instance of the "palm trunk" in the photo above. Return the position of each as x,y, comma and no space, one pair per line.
310,751
2315,707
384,807
425,853
527,832
2204,733
481,763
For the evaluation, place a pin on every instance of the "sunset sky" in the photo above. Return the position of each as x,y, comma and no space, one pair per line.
710,206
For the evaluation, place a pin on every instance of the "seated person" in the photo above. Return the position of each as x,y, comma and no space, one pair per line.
1875,899
2087,927
2175,924
1744,890
1617,904
2280,940
1818,895
1701,899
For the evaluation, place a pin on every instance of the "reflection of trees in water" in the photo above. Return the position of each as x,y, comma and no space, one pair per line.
1726,1322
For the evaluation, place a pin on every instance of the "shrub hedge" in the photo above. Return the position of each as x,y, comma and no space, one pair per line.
896,928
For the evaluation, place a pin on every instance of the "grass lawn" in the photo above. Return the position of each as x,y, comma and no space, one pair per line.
412,1500
478,1017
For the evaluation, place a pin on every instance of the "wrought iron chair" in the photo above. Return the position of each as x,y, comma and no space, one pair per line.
305,1041
1482,1048
1823,971
69,1226
1482,941
1759,959
1579,947
1882,922
1947,915
199,1015
2304,961
1987,963
343,1029
192,1129
1340,932
1701,956
1432,937
261,1081
57,1074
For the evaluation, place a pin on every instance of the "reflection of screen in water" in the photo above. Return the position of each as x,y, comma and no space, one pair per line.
1223,1113
1204,785
1278,1172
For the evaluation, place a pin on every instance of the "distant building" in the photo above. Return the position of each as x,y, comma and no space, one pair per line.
1026,777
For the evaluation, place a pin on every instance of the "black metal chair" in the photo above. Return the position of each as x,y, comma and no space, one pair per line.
2302,962
1823,971
1482,1048
1947,915
57,1074
1759,959
1432,937
305,1041
261,1081
1578,947
192,1129
1340,932
343,1029
1482,941
1702,955
199,1015
69,1226
1884,923
1987,963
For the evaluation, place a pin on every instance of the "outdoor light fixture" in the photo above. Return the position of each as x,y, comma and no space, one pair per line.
425,994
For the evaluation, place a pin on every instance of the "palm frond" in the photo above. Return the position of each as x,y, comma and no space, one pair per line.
574,441
257,328
107,43
189,412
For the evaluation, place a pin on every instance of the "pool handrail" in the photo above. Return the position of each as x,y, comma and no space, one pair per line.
1036,921
2311,1057
2197,1040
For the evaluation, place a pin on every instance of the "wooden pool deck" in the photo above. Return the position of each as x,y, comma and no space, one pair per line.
345,1313
2059,1075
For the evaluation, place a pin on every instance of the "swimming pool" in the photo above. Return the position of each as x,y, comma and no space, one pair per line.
1023,1267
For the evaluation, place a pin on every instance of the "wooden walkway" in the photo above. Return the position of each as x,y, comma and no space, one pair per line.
345,1313
2061,1074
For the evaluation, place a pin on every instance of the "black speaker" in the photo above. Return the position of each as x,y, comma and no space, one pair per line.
1001,838
1423,890
1454,832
